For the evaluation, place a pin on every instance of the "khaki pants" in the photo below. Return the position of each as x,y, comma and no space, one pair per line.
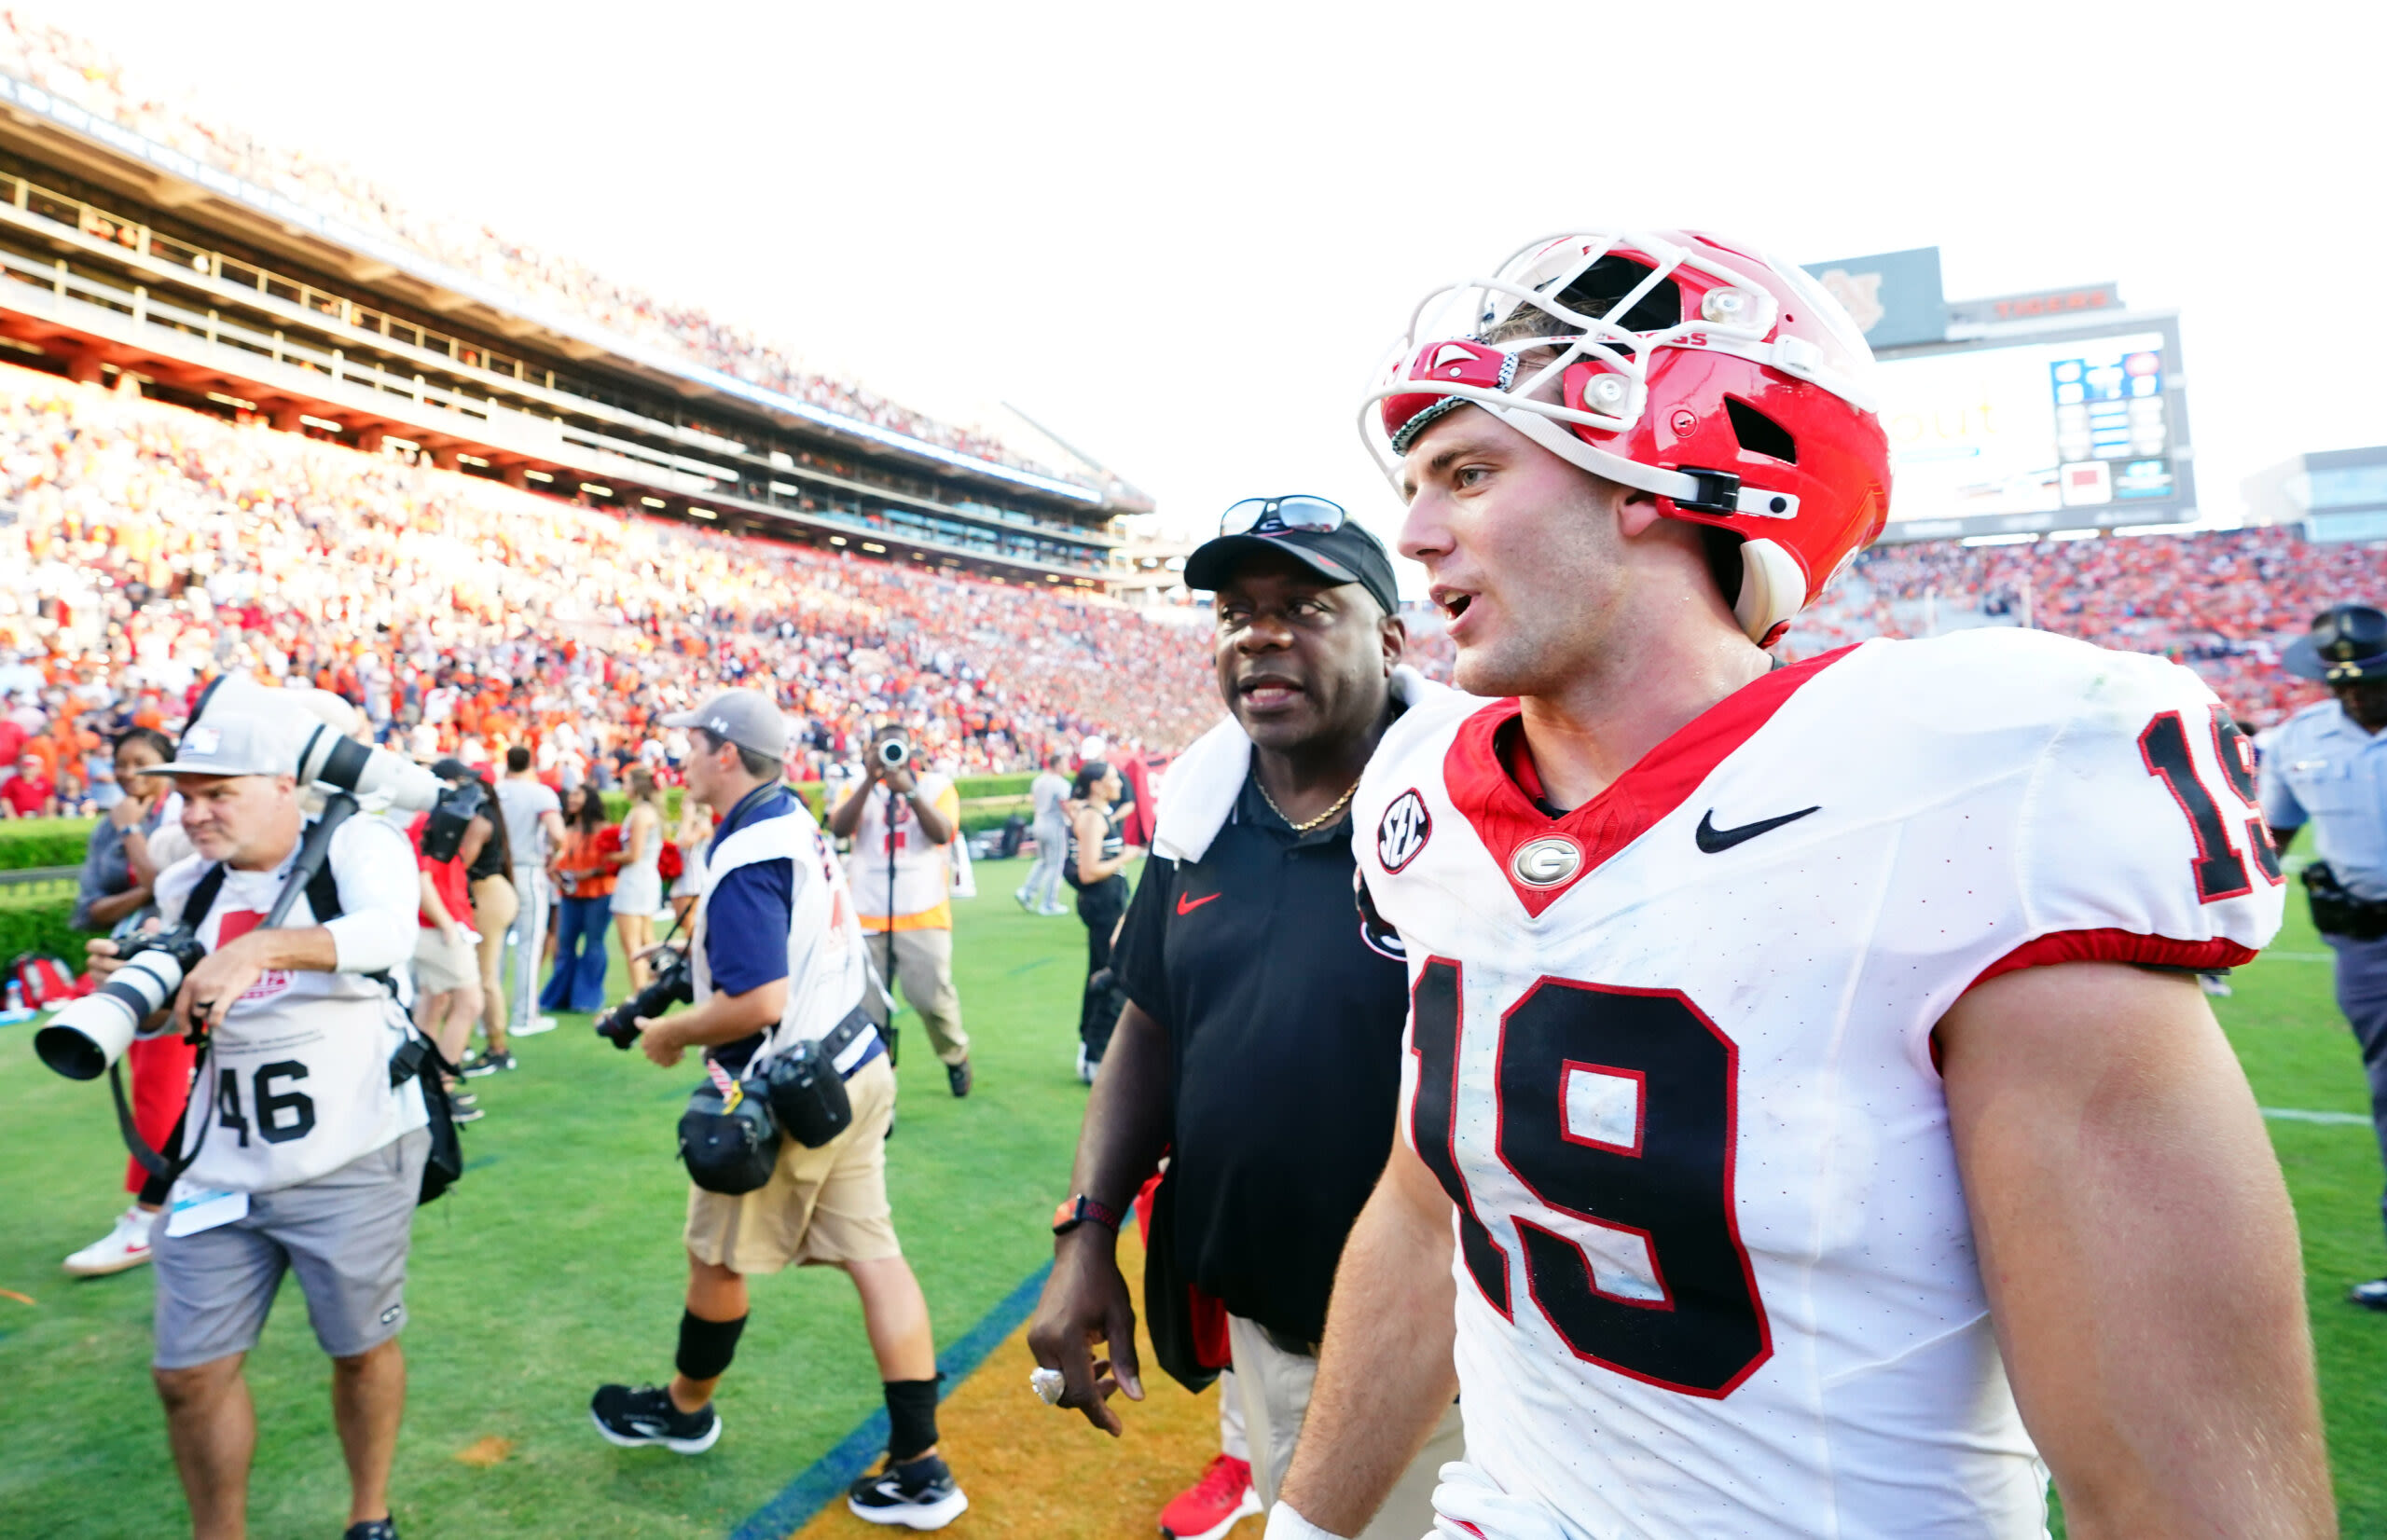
1274,1387
924,966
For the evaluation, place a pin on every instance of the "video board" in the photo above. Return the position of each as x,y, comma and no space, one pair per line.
2083,428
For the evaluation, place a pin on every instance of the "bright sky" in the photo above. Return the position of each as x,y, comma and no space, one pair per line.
1183,237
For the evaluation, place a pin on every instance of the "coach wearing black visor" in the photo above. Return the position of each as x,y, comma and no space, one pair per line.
1261,1045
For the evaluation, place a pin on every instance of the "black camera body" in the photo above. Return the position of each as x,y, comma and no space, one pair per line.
451,814
676,985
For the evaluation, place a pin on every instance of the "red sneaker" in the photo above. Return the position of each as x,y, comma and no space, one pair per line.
1209,1508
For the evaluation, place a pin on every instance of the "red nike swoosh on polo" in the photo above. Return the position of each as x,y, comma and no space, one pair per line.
1187,905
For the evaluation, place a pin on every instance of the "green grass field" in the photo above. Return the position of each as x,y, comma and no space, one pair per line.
556,1266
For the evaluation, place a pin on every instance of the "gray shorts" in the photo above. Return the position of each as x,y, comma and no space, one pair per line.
345,1235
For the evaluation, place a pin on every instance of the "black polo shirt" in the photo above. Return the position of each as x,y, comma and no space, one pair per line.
1285,1027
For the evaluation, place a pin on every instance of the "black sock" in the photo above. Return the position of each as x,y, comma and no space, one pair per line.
911,1418
706,1347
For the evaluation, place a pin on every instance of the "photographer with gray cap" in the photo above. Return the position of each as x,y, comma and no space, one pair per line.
777,962
2327,766
302,1154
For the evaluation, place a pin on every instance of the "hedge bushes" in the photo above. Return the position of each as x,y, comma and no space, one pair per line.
39,924
43,842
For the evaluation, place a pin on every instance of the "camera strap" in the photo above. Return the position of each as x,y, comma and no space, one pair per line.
157,1165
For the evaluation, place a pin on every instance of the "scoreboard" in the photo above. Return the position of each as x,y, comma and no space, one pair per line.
2027,431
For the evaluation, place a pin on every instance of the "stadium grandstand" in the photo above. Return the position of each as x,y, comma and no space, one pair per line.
248,282
144,546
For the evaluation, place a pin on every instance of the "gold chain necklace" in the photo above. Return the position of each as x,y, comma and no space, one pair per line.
1306,828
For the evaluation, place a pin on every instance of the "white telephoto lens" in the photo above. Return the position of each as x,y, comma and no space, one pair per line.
93,1032
86,1037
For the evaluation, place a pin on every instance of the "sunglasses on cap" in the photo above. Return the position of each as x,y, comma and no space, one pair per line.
1271,516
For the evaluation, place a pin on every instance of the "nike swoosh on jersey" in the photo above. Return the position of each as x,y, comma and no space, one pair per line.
1187,904
1712,839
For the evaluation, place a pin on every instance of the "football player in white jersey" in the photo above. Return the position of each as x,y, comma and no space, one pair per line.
1811,1120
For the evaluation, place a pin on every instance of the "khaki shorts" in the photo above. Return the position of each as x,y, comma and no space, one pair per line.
824,1205
439,968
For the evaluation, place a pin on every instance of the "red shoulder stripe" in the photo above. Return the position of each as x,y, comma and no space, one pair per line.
2125,946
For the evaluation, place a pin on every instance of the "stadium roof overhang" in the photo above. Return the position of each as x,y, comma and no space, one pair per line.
43,127
526,450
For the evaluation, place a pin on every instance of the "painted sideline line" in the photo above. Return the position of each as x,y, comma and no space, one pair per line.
2296,1115
827,1477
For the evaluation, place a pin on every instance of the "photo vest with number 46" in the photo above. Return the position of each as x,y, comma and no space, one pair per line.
296,1080
1671,1056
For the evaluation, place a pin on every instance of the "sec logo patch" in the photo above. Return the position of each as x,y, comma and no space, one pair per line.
1550,861
1404,831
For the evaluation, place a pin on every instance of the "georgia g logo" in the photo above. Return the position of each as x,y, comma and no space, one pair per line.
1545,862
1402,831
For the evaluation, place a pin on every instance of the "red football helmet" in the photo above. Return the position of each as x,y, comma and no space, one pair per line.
1731,387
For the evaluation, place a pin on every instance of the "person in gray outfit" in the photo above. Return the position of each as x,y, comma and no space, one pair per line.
2326,765
1045,794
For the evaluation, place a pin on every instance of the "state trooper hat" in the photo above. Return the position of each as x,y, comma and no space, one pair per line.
2347,645
746,718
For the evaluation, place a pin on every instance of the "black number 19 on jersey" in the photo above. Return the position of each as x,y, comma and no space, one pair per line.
1657,1174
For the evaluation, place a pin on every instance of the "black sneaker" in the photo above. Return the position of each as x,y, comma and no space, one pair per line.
918,1496
484,1063
646,1416
371,1529
2370,1296
464,1107
959,1076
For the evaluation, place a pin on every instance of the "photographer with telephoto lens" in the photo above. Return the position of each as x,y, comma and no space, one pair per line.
775,967
902,819
301,1154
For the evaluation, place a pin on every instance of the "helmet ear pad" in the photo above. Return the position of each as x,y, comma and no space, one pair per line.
1773,588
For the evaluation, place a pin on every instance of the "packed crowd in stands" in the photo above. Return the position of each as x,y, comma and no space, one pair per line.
2224,602
79,70
144,548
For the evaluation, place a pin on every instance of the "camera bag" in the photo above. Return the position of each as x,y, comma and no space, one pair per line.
807,1095
728,1139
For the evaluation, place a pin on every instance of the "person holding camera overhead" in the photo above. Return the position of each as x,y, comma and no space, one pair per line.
302,1155
776,971
902,821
